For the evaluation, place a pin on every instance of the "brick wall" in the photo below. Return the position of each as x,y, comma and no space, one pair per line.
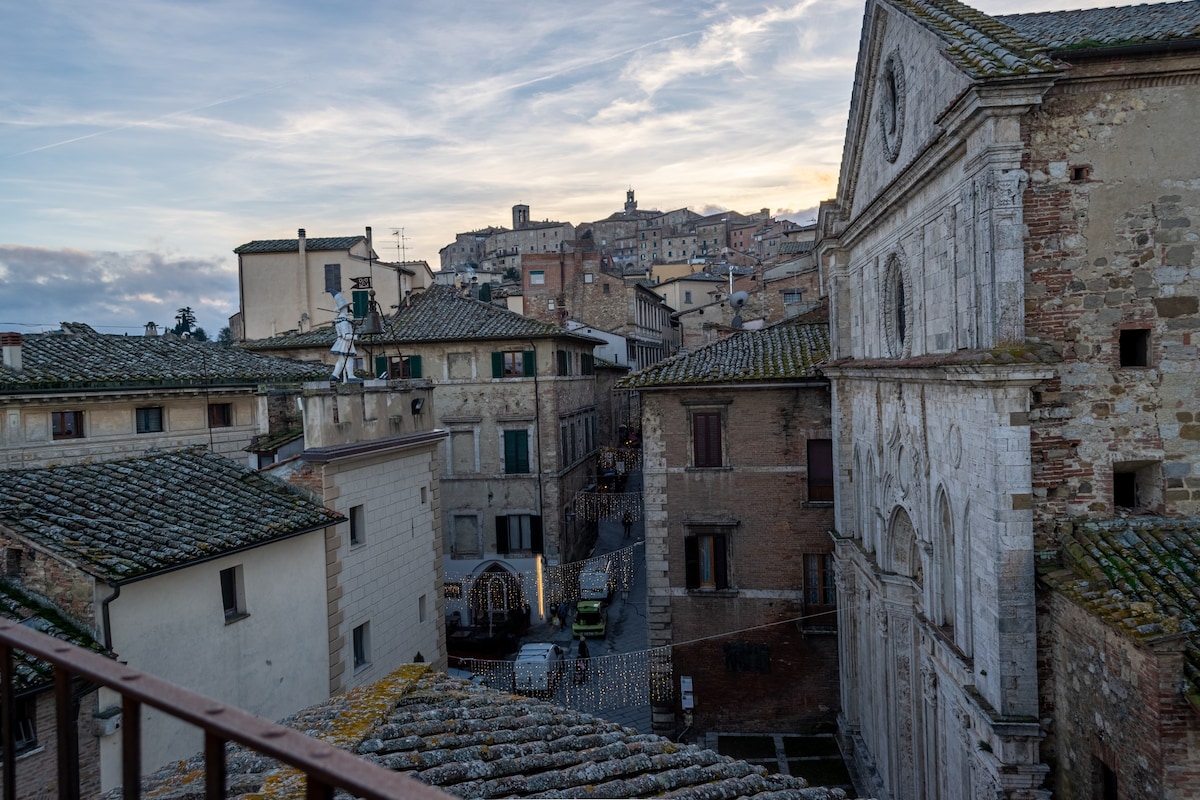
1118,701
37,769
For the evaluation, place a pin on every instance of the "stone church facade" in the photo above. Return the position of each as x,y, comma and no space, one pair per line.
1013,271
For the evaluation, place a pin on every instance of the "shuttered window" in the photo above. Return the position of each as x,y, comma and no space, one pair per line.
820,470
705,561
516,452
706,439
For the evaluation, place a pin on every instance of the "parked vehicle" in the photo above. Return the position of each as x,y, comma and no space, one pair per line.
538,668
591,619
596,584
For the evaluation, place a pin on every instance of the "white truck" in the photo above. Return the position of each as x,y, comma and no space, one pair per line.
596,583
538,668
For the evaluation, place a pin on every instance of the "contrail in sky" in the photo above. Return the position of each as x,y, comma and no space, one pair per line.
127,126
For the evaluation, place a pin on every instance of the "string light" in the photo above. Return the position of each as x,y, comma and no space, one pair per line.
502,590
595,506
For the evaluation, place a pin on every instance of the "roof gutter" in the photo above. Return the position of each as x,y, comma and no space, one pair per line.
1113,51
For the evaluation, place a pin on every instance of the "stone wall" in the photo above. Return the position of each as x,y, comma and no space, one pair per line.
1117,702
1114,223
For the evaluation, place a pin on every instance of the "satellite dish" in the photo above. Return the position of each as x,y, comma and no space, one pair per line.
738,299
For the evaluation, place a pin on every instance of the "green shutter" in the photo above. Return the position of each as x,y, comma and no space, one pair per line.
529,359
414,367
497,365
381,366
361,303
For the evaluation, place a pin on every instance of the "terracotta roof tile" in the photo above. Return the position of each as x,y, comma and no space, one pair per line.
786,350
40,615
1108,27
78,357
438,314
293,245
471,741
1141,575
127,519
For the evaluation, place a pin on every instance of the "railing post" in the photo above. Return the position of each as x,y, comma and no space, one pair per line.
131,748
317,790
214,766
8,725
66,735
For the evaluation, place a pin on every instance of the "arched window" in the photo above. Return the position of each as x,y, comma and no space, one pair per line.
947,606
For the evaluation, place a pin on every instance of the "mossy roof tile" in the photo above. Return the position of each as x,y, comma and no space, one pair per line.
127,519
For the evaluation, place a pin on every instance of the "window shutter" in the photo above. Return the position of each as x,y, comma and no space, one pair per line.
522,450
501,534
414,367
720,565
529,359
510,451
535,534
381,366
562,361
820,469
497,365
691,562
361,303
706,439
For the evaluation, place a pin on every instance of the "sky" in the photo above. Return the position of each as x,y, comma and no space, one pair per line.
141,141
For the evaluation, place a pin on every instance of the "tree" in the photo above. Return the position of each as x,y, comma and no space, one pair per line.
199,335
225,337
185,319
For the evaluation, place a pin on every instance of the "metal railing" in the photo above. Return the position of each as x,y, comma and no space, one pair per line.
324,766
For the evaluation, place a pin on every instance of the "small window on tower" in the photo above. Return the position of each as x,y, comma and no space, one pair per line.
1135,347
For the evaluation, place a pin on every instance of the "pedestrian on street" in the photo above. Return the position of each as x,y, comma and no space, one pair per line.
627,521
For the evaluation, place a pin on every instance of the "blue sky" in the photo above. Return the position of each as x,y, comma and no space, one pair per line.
141,141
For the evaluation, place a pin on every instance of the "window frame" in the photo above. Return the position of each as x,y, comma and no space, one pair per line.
711,574
360,646
537,277
515,447
820,481
357,517
820,589
527,525
707,430
514,364
57,420
220,415
233,594
144,420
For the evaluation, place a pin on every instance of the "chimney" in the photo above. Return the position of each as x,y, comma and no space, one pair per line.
151,329
303,236
370,245
10,350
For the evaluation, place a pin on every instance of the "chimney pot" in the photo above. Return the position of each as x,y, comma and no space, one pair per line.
300,233
10,350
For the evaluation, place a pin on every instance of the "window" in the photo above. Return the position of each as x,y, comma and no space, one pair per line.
362,646
537,277
588,277
233,594
791,296
706,439
606,291
333,278
358,525
747,657
818,580
564,362
820,470
398,367
513,364
220,415
421,608
704,559
587,364
518,533
66,424
687,298
149,420
1105,780
1137,484
1135,347
465,536
25,715
516,452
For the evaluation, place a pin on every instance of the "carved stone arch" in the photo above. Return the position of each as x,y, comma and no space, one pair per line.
870,504
945,553
904,553
964,634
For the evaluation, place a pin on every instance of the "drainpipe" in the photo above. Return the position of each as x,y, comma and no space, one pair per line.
106,617
537,435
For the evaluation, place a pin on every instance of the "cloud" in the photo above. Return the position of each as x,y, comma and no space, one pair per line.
112,292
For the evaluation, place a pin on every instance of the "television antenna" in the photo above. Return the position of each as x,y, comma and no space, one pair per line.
401,246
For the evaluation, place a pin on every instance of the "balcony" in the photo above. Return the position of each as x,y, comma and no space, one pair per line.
325,768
